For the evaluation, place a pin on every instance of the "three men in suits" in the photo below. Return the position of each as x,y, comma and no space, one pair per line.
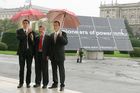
25,51
58,40
41,58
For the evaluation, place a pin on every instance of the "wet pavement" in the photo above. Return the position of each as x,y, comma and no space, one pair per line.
111,75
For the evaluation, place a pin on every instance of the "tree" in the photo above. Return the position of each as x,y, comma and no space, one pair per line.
47,23
129,29
7,25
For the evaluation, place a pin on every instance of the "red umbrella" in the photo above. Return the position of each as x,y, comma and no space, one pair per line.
68,19
30,14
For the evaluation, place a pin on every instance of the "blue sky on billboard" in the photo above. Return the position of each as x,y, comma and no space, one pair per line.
79,7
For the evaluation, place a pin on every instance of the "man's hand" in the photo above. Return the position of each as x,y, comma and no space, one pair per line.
47,58
41,34
60,33
31,36
29,30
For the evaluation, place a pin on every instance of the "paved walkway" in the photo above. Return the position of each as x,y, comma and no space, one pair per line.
8,85
111,75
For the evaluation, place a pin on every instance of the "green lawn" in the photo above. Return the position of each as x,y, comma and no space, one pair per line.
8,52
14,53
116,54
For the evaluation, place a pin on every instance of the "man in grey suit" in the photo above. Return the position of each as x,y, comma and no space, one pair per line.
58,40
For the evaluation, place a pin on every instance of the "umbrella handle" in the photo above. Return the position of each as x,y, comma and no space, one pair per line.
63,20
65,15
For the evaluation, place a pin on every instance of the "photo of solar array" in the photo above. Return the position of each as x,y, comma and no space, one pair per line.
99,34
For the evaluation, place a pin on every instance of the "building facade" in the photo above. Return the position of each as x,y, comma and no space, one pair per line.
8,13
130,11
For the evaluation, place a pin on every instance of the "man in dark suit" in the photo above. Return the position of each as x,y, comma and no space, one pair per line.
25,51
58,40
41,58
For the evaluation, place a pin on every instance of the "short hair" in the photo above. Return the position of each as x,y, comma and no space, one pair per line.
57,22
26,21
41,26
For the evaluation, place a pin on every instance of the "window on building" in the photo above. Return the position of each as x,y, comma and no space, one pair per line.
108,11
107,16
139,29
132,16
123,16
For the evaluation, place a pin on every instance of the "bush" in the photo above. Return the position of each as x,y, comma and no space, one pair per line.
124,52
135,42
70,51
108,52
135,52
10,39
3,46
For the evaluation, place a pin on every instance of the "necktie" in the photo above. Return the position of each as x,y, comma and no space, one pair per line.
27,40
25,31
55,36
40,43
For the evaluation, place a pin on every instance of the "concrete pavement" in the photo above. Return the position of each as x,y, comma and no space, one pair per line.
8,85
111,75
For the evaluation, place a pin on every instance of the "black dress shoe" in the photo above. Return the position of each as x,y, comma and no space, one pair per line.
61,88
36,85
20,85
53,86
28,86
44,86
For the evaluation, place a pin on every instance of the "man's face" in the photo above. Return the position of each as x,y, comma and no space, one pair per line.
56,27
41,29
25,24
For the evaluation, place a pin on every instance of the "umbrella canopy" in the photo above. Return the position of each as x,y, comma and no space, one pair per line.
30,14
68,19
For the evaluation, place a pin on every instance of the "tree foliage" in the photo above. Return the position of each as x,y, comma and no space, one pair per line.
129,29
7,25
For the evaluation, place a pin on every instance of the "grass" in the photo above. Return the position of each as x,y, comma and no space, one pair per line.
8,52
14,53
117,54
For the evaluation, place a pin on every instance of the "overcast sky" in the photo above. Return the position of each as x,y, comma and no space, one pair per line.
79,7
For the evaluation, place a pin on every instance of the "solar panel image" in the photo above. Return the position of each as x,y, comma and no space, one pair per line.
73,43
90,43
99,34
120,33
103,32
106,43
118,23
85,20
86,32
100,22
123,45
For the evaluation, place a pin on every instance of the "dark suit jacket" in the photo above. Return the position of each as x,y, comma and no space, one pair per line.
22,37
57,51
45,47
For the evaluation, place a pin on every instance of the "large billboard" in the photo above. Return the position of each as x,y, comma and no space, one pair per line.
99,34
